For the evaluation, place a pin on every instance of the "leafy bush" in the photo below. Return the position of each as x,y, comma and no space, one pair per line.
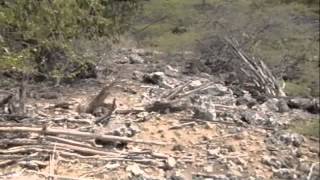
29,28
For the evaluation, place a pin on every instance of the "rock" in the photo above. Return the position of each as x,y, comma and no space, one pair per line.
304,167
284,173
271,161
215,153
135,170
251,117
195,84
137,75
136,59
170,71
247,100
270,105
112,166
240,161
122,60
292,139
204,109
208,169
170,163
220,177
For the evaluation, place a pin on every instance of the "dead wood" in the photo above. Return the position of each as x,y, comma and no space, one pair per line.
183,125
56,131
129,111
17,142
176,91
67,141
258,73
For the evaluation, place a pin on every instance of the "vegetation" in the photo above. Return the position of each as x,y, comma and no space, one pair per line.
31,31
283,33
307,127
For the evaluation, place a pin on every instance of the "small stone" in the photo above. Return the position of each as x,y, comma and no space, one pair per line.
208,169
271,161
285,173
214,152
304,167
112,166
135,170
170,163
292,138
240,162
135,59
195,83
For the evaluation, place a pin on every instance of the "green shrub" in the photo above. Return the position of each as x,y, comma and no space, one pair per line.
27,27
306,127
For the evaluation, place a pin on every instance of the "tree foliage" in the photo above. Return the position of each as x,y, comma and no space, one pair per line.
27,27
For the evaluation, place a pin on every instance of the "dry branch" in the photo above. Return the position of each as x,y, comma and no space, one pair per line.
56,131
258,72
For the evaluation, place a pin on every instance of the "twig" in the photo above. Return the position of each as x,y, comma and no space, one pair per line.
66,141
183,125
176,91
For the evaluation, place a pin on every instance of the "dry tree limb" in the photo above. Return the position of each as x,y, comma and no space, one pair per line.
183,125
258,72
129,111
176,91
56,131
10,157
201,88
66,141
49,176
18,142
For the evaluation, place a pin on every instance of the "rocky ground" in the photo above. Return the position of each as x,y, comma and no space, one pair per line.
178,127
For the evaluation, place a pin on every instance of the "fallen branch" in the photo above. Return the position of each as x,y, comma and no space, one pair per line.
183,125
56,131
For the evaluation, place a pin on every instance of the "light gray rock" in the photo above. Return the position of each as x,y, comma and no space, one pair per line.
292,139
284,173
136,59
